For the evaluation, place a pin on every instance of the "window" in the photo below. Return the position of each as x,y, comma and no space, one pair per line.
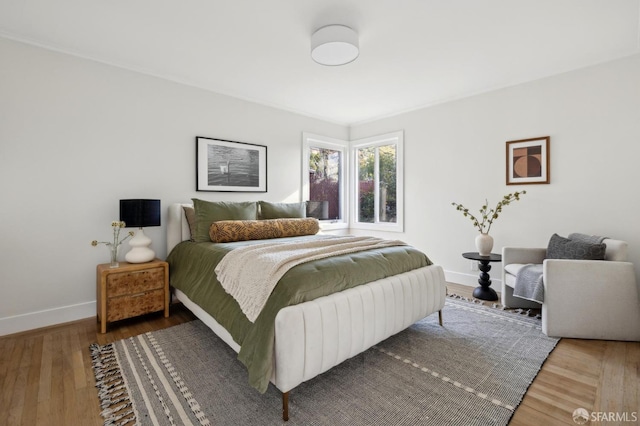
373,179
324,179
378,185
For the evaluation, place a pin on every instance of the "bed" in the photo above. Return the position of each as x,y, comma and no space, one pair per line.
310,337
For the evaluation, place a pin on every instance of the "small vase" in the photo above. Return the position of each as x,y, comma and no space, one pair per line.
484,244
113,251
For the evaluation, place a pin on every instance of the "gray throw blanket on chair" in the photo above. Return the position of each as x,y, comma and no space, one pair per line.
529,284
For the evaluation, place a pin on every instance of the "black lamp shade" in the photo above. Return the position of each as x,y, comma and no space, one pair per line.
140,213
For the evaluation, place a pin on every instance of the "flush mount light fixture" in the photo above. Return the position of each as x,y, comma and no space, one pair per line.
334,45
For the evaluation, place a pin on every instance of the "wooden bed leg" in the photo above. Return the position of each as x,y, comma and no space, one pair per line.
440,317
285,406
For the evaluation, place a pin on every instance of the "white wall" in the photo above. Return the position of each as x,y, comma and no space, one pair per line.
75,137
456,152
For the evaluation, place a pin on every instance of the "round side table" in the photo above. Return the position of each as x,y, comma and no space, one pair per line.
484,292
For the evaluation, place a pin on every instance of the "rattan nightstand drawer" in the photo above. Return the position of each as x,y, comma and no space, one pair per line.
135,304
135,281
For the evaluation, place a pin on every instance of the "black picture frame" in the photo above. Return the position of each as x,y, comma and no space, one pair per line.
230,166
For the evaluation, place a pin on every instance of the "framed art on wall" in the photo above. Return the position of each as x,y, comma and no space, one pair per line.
230,166
528,161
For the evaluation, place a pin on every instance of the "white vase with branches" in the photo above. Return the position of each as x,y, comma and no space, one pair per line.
483,222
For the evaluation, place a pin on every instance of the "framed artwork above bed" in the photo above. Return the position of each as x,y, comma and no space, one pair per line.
229,166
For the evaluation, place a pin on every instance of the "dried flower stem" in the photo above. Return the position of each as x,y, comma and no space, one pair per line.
116,225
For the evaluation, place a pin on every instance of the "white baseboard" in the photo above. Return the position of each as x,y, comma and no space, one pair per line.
470,280
33,320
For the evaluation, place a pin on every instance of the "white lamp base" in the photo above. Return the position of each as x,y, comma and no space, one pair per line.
140,251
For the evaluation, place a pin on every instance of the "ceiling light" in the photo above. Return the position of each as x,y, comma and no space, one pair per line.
334,45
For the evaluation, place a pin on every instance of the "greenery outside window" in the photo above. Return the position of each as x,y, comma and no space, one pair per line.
324,179
378,182
356,184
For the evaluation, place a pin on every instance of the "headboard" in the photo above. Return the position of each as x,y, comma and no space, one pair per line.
177,226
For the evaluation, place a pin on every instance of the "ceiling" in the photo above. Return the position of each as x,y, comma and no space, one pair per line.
413,53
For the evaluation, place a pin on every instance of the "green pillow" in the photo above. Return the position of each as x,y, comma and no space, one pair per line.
282,210
208,212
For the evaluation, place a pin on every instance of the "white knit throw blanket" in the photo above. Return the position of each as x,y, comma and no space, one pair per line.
250,273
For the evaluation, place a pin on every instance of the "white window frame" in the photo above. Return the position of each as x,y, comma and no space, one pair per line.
310,140
394,138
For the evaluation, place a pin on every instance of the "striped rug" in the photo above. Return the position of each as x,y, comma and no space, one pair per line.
472,371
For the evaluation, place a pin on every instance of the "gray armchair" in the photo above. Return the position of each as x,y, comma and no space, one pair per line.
585,299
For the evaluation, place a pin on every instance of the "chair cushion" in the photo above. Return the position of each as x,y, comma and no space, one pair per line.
564,248
513,268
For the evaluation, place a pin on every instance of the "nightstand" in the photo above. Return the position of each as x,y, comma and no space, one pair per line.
130,290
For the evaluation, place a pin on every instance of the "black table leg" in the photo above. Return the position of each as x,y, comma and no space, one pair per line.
484,292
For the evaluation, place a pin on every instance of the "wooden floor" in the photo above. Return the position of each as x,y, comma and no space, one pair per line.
46,376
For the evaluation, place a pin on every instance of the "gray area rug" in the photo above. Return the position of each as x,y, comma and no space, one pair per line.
474,370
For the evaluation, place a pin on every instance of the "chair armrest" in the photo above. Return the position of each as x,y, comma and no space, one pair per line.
566,279
595,299
522,255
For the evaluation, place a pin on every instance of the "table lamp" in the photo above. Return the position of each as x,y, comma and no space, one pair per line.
140,213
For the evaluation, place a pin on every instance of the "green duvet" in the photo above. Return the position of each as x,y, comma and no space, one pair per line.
191,269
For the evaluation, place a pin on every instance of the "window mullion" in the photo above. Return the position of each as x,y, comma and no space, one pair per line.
376,187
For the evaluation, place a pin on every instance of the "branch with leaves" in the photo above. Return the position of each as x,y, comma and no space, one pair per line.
484,221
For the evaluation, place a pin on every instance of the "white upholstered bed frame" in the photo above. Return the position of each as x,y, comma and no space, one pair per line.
308,339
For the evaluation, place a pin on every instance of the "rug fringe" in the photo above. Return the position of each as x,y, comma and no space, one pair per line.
528,312
466,299
521,311
113,393
119,419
